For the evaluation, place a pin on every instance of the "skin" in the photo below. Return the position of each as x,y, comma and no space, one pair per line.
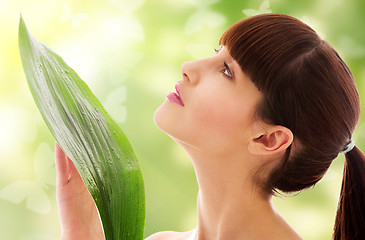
231,151
78,215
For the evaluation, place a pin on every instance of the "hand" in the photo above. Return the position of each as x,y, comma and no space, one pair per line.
78,214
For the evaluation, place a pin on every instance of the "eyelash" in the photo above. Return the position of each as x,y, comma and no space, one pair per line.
226,71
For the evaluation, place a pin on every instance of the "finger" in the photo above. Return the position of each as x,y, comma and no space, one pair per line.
73,173
63,173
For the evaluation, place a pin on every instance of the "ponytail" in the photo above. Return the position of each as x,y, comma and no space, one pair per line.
350,218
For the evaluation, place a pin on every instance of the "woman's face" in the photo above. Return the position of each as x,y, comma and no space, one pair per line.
214,105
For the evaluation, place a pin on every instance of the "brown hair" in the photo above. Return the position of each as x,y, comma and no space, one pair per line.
307,88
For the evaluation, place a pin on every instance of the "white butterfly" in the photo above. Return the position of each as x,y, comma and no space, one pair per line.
201,18
76,19
264,8
34,190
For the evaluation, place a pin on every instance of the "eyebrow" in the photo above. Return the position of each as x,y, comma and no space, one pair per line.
218,50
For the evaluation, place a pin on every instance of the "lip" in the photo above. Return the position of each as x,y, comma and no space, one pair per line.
176,97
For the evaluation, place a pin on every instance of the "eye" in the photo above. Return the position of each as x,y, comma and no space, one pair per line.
226,71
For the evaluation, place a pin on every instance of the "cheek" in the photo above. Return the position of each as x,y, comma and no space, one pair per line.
223,123
208,123
220,118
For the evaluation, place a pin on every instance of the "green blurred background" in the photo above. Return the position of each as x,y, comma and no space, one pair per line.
130,53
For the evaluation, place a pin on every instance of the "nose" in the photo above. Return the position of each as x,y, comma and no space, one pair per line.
190,71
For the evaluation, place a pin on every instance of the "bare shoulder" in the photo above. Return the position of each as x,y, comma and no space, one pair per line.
170,235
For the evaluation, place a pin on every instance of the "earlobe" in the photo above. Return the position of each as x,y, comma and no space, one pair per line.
276,139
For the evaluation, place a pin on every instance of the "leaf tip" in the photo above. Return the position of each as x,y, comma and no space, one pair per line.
24,36
21,22
21,26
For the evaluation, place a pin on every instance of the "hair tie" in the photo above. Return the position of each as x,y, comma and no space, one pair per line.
349,147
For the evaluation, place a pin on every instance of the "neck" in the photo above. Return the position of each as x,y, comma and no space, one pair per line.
229,205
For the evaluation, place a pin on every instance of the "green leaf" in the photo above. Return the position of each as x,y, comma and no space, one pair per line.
99,149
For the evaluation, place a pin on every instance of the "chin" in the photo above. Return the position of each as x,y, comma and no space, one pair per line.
165,120
157,117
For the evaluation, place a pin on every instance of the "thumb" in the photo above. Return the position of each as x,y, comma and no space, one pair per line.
62,166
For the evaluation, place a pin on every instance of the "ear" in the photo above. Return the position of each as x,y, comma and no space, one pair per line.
274,139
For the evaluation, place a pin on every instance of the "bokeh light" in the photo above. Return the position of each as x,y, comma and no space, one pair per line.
130,53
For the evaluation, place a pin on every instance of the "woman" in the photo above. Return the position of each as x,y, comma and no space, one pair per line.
269,112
